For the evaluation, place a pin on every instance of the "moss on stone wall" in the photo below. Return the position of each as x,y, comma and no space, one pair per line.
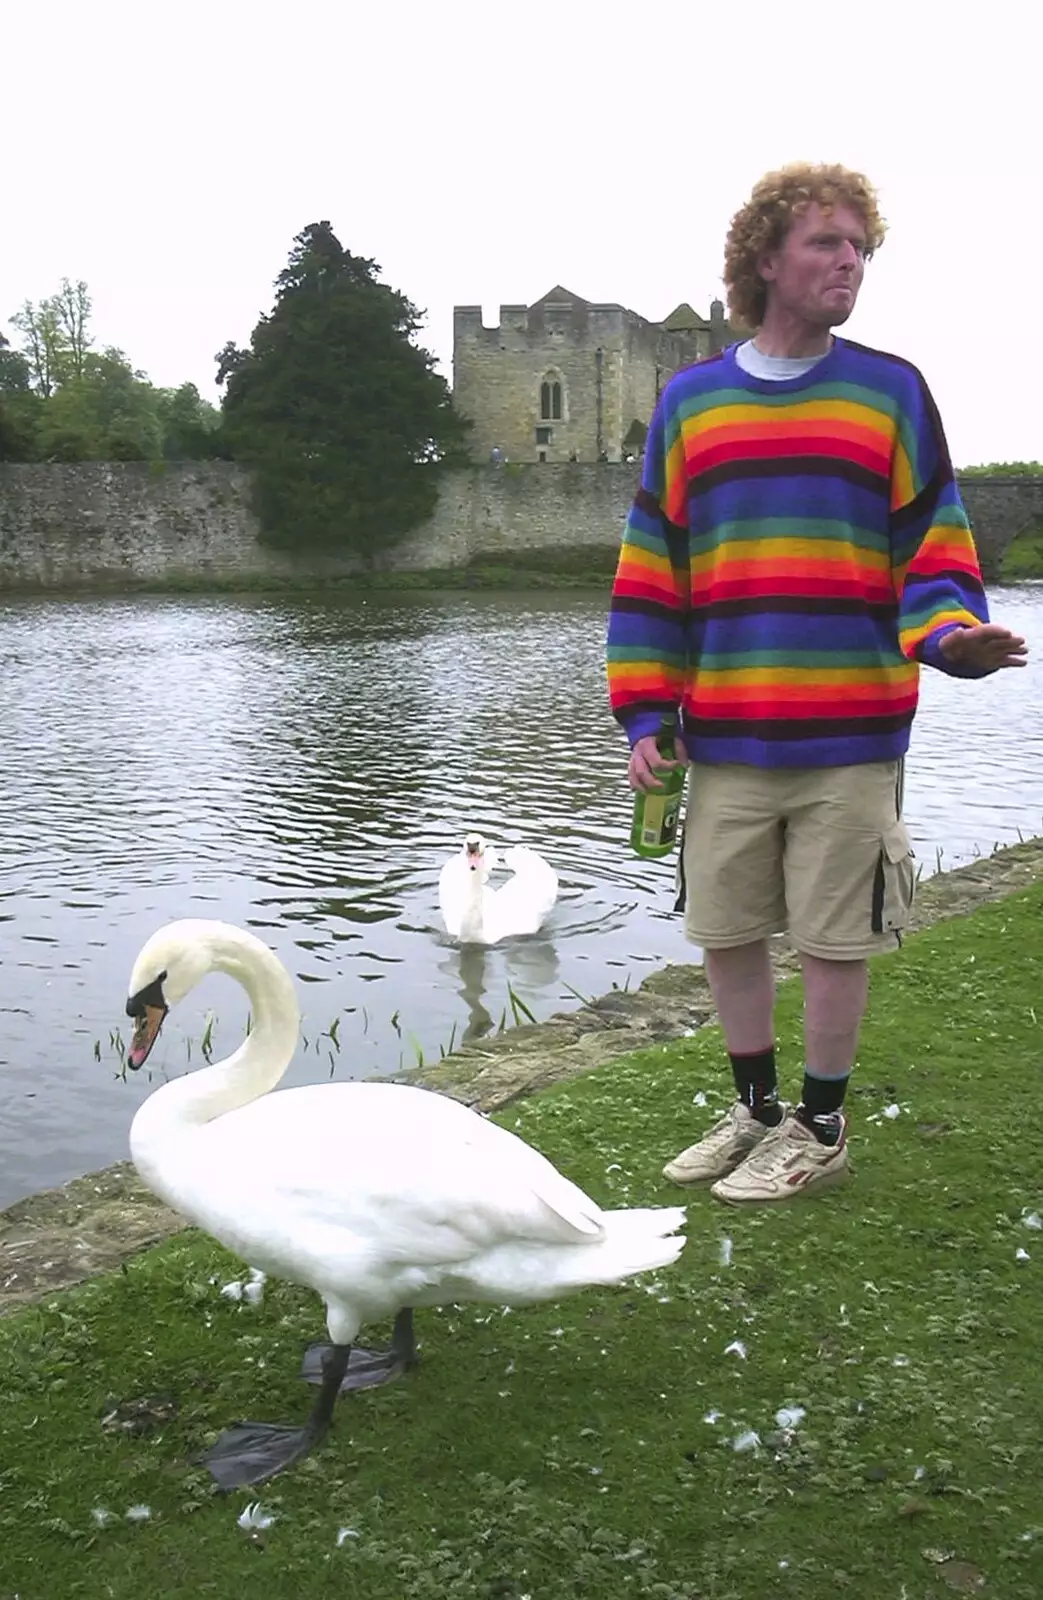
1024,557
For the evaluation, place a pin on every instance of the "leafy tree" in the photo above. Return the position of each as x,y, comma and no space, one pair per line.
57,337
14,369
1004,469
44,344
72,308
68,428
110,413
19,406
336,409
191,426
61,400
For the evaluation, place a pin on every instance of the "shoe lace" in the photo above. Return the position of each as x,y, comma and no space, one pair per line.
773,1152
720,1133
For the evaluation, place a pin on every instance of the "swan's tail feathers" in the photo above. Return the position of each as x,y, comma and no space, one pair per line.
631,1242
639,1241
657,1220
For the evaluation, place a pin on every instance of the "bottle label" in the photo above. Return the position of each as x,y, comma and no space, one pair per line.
659,819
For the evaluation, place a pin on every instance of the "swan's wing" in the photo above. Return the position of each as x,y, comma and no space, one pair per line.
490,862
451,875
434,1160
454,1209
411,1175
520,858
525,900
505,1150
451,890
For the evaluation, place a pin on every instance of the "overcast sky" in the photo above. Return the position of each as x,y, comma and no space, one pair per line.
483,152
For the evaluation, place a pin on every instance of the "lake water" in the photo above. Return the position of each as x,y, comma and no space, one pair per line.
303,767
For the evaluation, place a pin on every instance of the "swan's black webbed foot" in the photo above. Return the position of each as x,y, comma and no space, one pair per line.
369,1369
250,1452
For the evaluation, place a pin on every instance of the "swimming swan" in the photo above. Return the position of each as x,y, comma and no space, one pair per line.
475,913
381,1197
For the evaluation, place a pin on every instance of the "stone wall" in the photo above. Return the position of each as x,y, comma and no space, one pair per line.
485,512
104,526
97,525
1000,509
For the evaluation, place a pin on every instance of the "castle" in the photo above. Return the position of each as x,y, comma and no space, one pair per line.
568,380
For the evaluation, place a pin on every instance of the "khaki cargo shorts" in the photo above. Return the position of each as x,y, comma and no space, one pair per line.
819,852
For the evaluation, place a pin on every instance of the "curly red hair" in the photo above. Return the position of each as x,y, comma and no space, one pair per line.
763,222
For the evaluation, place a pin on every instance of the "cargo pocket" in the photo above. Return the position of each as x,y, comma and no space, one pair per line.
894,881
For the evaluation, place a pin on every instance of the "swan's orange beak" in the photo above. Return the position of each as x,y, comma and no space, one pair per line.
147,1023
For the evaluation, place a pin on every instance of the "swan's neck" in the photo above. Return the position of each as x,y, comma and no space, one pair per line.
472,923
250,1071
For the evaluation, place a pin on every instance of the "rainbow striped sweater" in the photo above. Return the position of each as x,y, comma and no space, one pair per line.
796,549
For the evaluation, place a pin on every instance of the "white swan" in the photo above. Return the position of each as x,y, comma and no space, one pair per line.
475,913
381,1197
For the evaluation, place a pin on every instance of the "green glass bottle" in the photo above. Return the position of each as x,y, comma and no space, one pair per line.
657,812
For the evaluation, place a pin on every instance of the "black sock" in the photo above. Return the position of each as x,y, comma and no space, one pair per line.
821,1099
757,1086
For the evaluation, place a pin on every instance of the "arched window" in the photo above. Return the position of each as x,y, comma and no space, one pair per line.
550,400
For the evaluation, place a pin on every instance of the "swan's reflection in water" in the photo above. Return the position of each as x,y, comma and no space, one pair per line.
532,963
470,961
527,964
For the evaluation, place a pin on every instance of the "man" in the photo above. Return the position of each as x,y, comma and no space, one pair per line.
796,550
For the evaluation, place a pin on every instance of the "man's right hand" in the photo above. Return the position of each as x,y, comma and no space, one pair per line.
646,760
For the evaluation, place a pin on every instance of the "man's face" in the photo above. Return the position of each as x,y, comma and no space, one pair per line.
815,274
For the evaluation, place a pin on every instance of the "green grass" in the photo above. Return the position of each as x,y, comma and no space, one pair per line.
1023,557
564,1450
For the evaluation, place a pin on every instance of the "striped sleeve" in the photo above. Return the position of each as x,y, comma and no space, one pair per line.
646,654
935,564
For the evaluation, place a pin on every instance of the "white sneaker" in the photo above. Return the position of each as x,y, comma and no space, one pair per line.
791,1162
720,1151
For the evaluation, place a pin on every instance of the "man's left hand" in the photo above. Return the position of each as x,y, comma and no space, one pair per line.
984,648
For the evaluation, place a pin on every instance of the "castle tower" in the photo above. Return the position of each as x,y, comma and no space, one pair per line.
567,379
